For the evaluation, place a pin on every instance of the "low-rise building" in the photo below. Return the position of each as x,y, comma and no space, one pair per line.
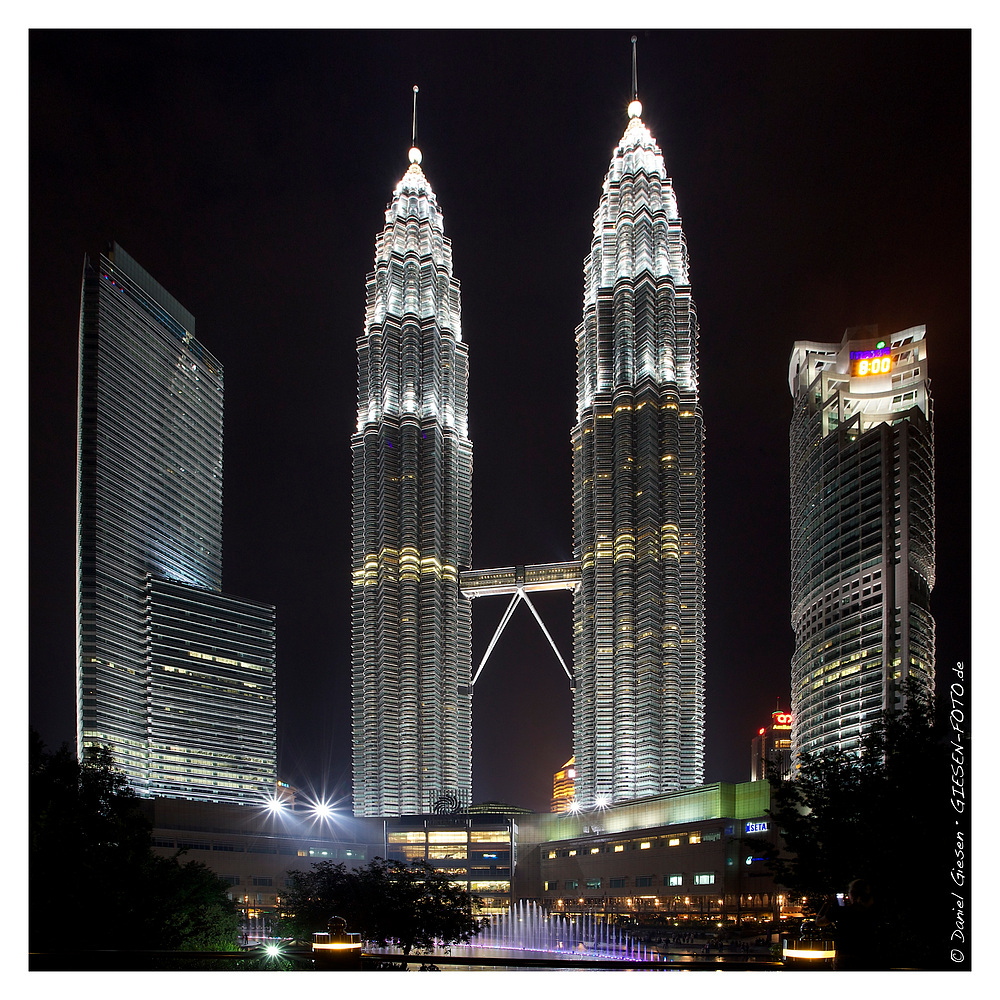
694,855
254,848
684,858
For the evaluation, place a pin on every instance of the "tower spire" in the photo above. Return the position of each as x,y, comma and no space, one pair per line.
415,155
635,108
635,85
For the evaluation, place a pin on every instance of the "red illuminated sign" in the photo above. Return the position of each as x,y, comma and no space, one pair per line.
781,720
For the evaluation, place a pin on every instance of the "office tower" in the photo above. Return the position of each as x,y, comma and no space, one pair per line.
412,521
639,526
167,668
771,748
862,533
211,694
564,787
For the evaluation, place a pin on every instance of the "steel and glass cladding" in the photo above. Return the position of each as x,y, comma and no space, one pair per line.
211,694
639,524
862,533
149,490
412,521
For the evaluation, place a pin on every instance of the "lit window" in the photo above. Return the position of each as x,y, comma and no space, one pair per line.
645,845
446,837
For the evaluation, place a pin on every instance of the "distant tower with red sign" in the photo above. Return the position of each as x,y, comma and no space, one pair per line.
861,449
772,747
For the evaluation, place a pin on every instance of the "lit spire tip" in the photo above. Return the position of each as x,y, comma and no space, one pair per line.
635,108
415,155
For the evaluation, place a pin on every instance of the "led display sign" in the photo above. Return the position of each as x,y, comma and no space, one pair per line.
877,362
759,827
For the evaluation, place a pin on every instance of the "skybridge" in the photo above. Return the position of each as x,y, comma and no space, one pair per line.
518,582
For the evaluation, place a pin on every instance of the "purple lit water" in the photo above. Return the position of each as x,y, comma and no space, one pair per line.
528,927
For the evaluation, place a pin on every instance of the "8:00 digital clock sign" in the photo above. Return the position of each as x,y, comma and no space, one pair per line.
877,362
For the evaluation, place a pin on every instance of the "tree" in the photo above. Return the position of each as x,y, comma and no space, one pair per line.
325,890
881,816
188,906
413,905
94,882
88,840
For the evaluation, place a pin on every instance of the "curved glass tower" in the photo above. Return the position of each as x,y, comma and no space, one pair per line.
412,521
862,533
638,493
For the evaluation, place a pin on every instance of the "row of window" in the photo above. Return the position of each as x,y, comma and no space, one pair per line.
669,840
449,837
259,880
457,851
641,882
355,854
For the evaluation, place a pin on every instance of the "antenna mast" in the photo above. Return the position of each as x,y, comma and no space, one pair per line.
635,85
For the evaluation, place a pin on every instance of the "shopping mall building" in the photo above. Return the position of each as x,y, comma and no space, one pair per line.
694,855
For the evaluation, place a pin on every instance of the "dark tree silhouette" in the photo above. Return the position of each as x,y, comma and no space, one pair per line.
881,816
94,882
411,905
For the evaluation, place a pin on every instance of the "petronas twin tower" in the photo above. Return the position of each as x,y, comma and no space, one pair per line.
638,498
411,636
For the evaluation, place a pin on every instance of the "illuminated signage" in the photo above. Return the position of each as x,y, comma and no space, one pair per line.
781,720
877,362
759,827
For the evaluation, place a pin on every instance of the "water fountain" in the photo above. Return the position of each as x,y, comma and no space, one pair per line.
528,927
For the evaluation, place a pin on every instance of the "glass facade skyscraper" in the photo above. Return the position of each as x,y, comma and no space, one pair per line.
862,533
211,694
149,533
412,521
638,493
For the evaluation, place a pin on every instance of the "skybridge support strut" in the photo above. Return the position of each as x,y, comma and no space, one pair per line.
521,595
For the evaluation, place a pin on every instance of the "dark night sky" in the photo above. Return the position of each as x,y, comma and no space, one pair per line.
824,182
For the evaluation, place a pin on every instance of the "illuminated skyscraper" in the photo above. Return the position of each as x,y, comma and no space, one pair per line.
174,676
862,533
771,748
639,526
412,521
564,787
